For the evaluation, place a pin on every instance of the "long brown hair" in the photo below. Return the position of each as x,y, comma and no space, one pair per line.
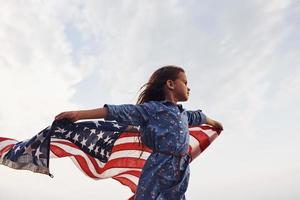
153,90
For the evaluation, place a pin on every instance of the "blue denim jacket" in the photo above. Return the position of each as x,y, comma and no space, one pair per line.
164,129
163,125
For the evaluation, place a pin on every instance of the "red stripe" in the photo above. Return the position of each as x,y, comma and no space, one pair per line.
128,134
202,138
125,162
59,152
131,146
190,149
3,139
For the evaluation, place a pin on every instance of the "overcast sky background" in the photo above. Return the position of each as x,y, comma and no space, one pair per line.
242,62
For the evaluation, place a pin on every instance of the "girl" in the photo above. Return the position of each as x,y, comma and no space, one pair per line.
163,128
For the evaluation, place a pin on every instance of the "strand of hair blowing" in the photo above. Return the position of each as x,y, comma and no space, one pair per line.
153,90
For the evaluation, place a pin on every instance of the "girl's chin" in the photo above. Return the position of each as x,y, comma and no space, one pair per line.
185,99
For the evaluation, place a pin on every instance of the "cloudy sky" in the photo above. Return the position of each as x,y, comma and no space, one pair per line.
243,66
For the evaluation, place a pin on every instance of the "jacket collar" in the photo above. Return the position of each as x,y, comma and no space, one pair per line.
168,103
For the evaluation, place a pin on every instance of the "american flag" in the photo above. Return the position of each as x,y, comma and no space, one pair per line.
100,149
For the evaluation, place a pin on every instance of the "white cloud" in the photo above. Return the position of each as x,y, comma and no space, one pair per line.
36,67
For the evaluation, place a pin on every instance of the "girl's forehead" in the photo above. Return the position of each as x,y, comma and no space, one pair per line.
182,76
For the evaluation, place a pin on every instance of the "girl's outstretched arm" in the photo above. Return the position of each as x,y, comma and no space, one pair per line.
214,123
83,114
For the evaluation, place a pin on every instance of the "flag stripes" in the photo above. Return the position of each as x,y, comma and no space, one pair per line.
127,156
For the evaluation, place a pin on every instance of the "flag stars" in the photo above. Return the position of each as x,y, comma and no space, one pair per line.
117,126
100,135
97,123
95,142
69,134
40,137
76,137
17,149
110,141
102,152
91,147
106,139
97,150
83,142
29,150
93,131
38,153
60,130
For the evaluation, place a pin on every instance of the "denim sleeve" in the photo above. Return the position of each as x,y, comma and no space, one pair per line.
196,117
128,113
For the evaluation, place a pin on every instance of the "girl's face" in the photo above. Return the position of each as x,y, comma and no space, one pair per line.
181,90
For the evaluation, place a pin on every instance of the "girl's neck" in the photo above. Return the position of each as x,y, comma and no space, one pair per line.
170,98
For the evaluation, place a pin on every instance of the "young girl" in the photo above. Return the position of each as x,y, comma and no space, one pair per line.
163,128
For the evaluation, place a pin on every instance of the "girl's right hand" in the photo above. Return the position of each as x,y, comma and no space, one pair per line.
71,115
218,125
215,124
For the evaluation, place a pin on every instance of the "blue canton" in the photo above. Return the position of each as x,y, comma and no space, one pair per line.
95,138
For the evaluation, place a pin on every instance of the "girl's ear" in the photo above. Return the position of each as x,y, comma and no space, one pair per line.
170,84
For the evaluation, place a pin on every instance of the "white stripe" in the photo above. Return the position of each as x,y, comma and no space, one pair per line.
196,128
4,143
129,153
194,143
60,140
125,140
